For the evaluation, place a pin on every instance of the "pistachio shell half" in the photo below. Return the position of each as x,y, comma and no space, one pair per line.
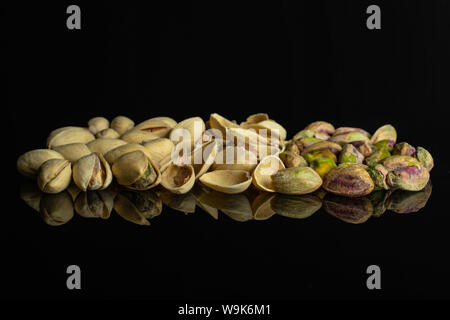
98,124
190,129
73,151
159,149
386,132
203,158
155,126
92,172
122,124
178,179
227,181
270,129
220,123
28,164
350,180
299,180
262,175
235,158
54,175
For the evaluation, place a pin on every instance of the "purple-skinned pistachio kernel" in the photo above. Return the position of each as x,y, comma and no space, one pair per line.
411,178
425,158
386,132
343,130
377,156
363,147
378,173
350,180
404,149
350,154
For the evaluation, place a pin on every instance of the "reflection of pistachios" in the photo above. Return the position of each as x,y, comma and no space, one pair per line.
351,210
56,209
298,207
402,201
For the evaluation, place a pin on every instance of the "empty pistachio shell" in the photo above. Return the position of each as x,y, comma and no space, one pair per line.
343,130
411,178
156,126
159,148
349,137
388,144
178,179
227,181
68,135
299,180
137,136
235,158
104,145
363,147
291,159
127,210
136,171
92,172
394,162
323,145
220,123
56,209
261,207
28,164
350,154
304,134
203,158
322,166
321,153
107,133
378,173
94,204
54,175
377,156
122,124
262,175
297,207
184,203
386,132
73,151
351,210
112,155
30,193
348,179
247,137
190,129
255,118
404,149
402,201
98,124
269,128
322,129
425,158
146,203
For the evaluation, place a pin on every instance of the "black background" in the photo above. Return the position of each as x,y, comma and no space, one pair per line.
299,62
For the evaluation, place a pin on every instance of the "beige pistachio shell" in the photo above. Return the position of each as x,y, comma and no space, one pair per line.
94,204
127,210
323,145
255,118
121,124
184,203
159,148
261,176
220,123
137,136
92,172
227,181
248,137
114,154
235,158
28,163
104,145
167,120
386,132
98,124
190,129
273,129
178,179
107,133
30,194
54,175
157,127
73,151
203,158
69,135
56,209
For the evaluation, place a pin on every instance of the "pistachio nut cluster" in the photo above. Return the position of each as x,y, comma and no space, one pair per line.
225,156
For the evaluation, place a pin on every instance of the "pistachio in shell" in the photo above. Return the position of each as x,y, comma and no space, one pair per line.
297,207
262,175
54,175
388,144
404,149
323,145
291,159
363,147
377,156
350,180
378,173
227,181
320,153
299,180
156,126
402,201
386,132
104,145
56,209
178,179
349,137
107,133
322,166
350,154
28,164
350,210
68,135
137,136
92,172
112,155
73,151
94,204
323,130
393,162
121,124
411,177
188,130
425,158
159,149
343,130
304,134
98,124
136,171
306,142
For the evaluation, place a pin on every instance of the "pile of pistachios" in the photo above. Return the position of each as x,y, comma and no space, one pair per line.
225,156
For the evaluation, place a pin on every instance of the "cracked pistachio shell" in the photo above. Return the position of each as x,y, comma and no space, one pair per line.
54,175
291,146
104,145
254,118
378,173
343,130
386,132
136,171
94,204
291,159
30,194
425,158
108,134
128,211
98,124
146,202
411,178
394,162
261,207
156,126
363,147
159,149
322,166
28,164
304,134
349,137
112,155
323,145
299,180
227,181
92,172
68,135
138,136
350,210
403,149
323,130
321,153
269,128
56,209
350,180
262,175
402,201
73,151
178,179
216,121
306,142
121,124
388,144
184,203
248,138
235,158
190,129
297,207
203,158
377,156
350,154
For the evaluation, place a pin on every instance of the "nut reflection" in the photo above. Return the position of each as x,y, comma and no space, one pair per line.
351,210
56,209
94,204
402,201
298,207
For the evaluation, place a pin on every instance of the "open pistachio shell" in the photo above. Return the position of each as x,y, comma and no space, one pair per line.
30,193
227,181
203,158
269,128
178,179
350,154
56,209
54,175
291,159
363,147
248,137
121,124
323,145
127,210
184,203
98,124
297,207
137,136
402,201
112,155
343,130
159,149
73,151
411,177
158,127
386,132
136,171
104,145
28,164
108,133
220,123
299,180
94,204
68,135
323,130
403,149
350,210
190,129
350,180
261,206
425,158
348,137
255,118
262,175
235,158
92,172
394,162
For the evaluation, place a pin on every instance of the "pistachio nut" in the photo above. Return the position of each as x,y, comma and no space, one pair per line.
203,158
54,175
270,129
159,149
291,159
299,180
28,164
227,181
350,154
322,166
68,135
92,172
394,162
323,130
98,124
306,142
156,126
343,130
363,147
94,204
262,175
349,179
348,137
121,124
297,207
425,158
73,151
178,179
403,149
127,210
291,146
386,132
137,136
378,173
304,134
377,156
402,201
112,155
107,133
323,145
320,153
388,144
104,145
411,177
136,171
190,129
350,210
56,209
